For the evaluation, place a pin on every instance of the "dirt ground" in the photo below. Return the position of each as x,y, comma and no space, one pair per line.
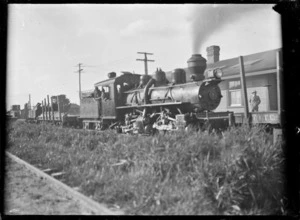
28,194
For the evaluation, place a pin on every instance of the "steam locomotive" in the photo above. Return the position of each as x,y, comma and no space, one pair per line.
146,103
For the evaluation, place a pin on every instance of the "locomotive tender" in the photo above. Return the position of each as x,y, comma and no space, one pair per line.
143,103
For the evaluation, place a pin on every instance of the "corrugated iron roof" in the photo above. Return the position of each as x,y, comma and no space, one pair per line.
111,80
252,63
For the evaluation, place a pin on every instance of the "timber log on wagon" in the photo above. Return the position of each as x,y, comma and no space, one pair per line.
146,103
59,111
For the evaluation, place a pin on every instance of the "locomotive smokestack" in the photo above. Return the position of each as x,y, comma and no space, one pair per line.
197,66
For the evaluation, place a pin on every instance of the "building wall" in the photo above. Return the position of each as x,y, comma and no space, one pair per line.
266,88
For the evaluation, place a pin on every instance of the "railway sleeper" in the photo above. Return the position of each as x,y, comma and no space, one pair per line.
58,175
50,171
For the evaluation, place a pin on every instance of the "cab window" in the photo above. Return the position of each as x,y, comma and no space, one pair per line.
106,91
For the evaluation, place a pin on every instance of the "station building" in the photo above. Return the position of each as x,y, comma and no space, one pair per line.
261,74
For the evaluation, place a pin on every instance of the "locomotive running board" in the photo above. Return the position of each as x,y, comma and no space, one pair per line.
153,105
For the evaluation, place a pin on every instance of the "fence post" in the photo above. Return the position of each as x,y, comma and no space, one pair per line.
46,109
279,87
49,112
277,135
277,132
52,110
230,119
43,110
58,106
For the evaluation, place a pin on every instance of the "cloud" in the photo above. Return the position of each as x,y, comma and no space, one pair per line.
92,30
160,26
58,17
135,28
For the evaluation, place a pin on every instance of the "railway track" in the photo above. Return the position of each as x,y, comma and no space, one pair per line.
54,179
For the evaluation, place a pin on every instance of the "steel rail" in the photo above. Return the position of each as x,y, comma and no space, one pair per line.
89,204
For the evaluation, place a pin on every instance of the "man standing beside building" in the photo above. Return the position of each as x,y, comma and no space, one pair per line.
254,102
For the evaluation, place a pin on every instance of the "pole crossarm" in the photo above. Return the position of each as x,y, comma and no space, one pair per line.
145,60
145,53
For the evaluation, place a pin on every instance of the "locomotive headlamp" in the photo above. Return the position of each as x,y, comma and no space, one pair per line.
214,73
218,73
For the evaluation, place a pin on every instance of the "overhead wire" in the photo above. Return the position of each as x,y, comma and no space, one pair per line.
107,66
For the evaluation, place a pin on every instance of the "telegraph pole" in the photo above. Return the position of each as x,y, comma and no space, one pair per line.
79,73
244,88
29,101
145,60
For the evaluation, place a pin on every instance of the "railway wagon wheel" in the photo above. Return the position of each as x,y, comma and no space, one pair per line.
162,132
85,125
98,126
118,129
148,129
104,126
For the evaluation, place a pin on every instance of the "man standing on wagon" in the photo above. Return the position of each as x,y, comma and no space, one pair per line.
97,93
97,97
254,102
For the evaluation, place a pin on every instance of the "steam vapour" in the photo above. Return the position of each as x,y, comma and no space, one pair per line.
208,19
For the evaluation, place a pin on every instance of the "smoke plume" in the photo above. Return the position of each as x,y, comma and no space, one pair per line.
208,19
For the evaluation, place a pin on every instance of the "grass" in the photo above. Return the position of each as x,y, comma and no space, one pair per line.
173,174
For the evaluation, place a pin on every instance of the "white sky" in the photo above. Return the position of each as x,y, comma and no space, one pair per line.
46,42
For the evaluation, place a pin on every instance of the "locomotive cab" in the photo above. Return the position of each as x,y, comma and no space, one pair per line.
98,114
113,92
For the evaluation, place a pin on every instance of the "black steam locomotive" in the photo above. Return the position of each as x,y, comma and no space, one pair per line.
143,103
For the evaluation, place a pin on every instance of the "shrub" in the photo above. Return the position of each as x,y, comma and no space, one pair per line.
249,175
239,172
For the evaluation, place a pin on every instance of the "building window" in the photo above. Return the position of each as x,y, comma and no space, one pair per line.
235,93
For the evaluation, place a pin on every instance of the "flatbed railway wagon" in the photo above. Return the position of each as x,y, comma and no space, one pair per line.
53,112
14,113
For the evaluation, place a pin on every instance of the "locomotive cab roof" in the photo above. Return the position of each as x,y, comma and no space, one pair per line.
133,78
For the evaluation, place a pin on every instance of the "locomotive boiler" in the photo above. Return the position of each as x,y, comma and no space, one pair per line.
199,93
161,101
177,95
